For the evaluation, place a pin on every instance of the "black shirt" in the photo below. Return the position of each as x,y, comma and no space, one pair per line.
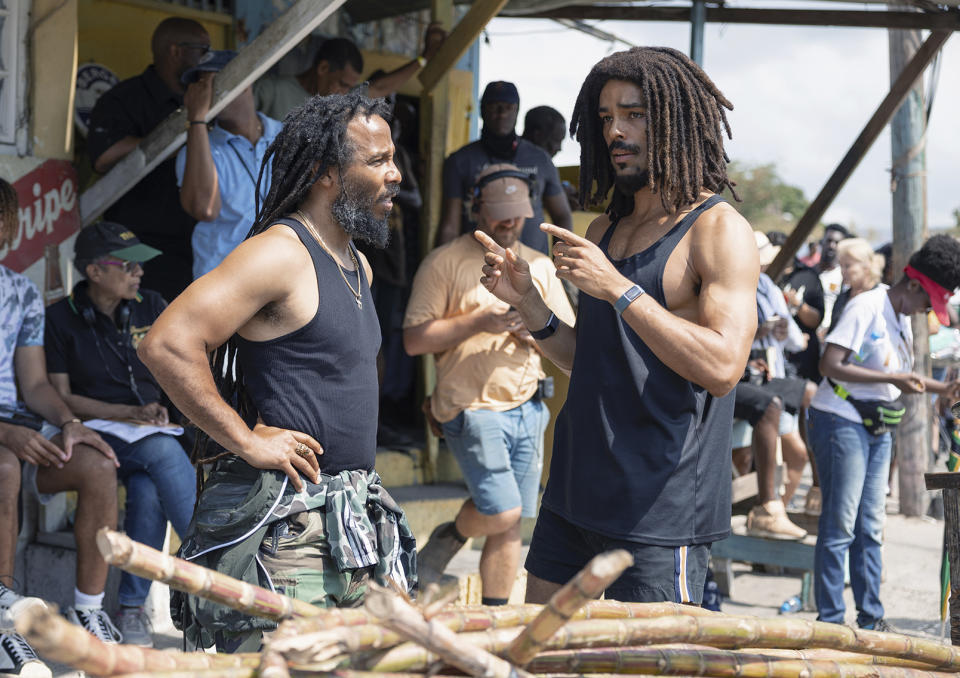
151,209
460,172
97,356
807,362
639,452
321,379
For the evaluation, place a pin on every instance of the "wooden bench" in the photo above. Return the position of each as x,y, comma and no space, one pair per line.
797,555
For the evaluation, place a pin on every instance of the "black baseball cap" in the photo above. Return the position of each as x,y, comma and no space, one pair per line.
500,90
106,238
212,61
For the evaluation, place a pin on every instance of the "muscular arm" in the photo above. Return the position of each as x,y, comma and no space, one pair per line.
450,215
110,157
713,351
203,318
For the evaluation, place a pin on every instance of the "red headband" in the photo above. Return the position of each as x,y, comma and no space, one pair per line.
938,293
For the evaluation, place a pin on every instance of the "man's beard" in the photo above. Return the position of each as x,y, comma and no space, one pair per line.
354,211
628,184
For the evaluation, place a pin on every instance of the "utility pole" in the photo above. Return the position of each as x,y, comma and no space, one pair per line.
698,19
909,183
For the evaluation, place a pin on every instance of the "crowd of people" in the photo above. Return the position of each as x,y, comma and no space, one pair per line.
288,324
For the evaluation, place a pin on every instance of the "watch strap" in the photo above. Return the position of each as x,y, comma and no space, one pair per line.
628,298
552,324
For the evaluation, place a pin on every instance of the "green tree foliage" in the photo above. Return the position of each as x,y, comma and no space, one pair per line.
769,203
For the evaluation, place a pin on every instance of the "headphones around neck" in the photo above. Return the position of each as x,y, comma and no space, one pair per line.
89,314
529,179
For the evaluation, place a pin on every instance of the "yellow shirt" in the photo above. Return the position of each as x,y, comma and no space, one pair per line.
487,371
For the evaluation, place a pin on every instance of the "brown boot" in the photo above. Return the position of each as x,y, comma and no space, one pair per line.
771,522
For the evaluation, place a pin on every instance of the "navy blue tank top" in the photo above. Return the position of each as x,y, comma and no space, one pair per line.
322,378
639,452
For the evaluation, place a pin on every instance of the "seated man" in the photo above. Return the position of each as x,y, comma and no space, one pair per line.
487,397
91,340
217,169
54,451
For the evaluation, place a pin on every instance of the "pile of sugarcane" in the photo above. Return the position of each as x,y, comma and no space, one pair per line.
393,637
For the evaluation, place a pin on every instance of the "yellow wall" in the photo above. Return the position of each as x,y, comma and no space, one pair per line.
54,58
116,33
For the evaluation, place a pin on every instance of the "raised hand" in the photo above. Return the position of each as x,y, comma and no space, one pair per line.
585,265
292,452
505,275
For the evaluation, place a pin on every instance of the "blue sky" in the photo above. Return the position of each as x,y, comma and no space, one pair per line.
801,96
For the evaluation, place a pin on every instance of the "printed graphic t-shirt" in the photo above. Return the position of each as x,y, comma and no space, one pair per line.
21,324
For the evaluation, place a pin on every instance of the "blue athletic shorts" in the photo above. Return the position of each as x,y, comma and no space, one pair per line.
500,455
673,574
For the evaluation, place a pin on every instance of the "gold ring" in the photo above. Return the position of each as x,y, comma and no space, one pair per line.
302,449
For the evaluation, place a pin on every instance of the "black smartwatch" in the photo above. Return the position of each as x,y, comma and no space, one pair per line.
552,324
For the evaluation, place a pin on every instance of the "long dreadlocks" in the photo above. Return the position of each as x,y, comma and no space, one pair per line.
313,140
686,121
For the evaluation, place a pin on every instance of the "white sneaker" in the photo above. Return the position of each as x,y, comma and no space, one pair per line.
97,622
12,605
17,658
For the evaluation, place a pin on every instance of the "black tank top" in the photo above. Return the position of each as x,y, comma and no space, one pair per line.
322,378
639,453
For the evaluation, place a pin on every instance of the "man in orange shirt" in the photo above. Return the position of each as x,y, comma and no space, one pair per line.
488,394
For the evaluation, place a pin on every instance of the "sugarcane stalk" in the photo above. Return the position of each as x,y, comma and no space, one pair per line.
716,631
712,663
136,558
589,583
403,618
272,665
235,672
837,656
57,639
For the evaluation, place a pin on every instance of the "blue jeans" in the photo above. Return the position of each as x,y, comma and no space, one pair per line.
500,455
853,467
161,486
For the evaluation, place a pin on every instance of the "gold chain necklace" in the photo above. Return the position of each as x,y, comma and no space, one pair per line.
356,264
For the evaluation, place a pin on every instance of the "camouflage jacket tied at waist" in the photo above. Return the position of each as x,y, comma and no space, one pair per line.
365,527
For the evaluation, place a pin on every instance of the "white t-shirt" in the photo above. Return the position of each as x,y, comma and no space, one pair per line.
832,283
879,339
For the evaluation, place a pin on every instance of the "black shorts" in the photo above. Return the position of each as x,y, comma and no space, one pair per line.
674,574
751,401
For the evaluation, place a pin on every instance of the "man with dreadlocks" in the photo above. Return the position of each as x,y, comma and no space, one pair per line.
667,279
292,501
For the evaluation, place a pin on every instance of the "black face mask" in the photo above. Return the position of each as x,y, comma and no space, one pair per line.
499,146
353,210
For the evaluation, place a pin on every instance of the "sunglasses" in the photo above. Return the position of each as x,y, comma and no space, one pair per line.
203,47
127,266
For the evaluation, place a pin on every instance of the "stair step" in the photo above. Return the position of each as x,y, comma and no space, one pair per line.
399,467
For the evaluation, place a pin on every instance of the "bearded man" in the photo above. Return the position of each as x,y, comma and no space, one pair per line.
667,279
292,501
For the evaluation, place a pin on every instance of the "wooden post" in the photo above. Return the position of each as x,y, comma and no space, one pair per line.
909,231
459,40
698,18
252,61
898,90
434,114
950,484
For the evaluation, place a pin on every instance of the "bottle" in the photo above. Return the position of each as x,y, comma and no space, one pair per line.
53,284
791,605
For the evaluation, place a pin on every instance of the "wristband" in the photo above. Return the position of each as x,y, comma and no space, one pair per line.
552,324
628,298
70,421
191,123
